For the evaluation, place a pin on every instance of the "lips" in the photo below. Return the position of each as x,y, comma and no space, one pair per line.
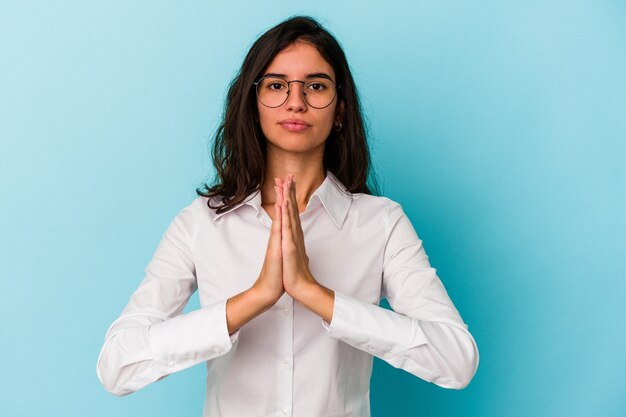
294,125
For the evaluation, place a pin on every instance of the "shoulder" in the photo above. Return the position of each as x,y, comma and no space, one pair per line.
188,218
199,204
387,211
375,203
200,207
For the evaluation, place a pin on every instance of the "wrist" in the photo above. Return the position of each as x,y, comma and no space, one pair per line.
307,292
263,297
304,290
318,299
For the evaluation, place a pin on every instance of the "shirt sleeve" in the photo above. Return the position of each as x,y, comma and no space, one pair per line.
152,338
424,334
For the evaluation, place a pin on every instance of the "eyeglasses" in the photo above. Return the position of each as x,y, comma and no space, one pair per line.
273,91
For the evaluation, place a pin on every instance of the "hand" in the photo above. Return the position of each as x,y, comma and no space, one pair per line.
295,262
270,281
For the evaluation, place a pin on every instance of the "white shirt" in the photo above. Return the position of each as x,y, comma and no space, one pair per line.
288,361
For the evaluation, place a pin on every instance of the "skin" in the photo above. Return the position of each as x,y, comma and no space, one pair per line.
291,156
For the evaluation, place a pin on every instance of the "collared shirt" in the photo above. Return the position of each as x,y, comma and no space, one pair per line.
288,361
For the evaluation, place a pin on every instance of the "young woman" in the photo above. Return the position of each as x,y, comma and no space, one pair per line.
291,255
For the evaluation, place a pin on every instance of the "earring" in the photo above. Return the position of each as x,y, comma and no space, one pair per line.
338,127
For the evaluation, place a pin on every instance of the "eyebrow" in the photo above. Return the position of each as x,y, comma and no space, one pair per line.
313,75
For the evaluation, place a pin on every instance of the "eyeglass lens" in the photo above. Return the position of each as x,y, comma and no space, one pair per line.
273,91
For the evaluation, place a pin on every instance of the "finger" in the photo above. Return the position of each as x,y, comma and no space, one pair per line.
286,224
289,196
277,217
295,219
276,226
278,181
279,195
275,230
285,184
285,193
298,225
293,213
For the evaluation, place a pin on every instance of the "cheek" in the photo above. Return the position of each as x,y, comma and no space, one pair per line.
328,121
264,120
326,126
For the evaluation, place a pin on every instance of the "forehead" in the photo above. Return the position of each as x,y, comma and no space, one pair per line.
298,60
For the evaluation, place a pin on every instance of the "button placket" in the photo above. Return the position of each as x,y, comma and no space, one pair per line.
287,362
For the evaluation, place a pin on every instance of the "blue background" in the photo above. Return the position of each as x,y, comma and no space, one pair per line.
499,126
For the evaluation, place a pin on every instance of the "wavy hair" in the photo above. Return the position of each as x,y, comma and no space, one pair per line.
239,148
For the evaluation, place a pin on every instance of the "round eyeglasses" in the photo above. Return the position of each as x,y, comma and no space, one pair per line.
273,91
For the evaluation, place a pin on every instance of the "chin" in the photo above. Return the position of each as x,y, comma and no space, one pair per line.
296,145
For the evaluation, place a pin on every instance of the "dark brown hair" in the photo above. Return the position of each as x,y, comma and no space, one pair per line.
239,148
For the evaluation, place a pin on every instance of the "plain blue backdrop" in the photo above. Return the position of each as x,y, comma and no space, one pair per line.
499,126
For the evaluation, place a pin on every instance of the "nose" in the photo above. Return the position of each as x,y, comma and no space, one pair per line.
295,99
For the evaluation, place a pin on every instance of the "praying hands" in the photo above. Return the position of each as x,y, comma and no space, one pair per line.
285,267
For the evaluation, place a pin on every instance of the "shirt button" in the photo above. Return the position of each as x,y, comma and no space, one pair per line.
284,412
171,363
286,363
286,311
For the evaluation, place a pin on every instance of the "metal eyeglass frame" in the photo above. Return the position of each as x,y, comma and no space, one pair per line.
256,90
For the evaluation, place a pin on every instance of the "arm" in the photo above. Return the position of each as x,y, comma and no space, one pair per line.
425,334
268,287
152,338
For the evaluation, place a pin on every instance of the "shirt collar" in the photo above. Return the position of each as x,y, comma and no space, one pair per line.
331,193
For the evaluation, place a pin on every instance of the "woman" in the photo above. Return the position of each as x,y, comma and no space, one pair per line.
291,255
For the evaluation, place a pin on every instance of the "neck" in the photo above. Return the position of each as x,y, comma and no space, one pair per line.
308,173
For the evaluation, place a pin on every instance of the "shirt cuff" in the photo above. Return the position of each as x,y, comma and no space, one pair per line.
372,328
191,338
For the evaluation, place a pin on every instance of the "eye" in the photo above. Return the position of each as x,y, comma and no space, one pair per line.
316,86
275,85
